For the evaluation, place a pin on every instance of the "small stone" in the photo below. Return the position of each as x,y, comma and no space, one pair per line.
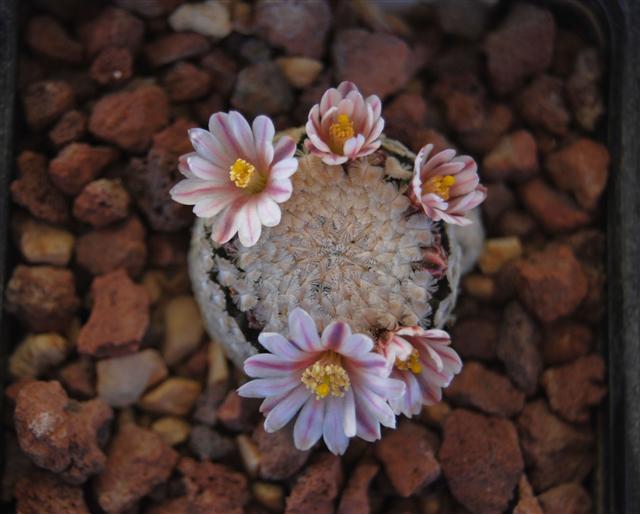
41,243
475,338
71,127
542,105
150,8
262,89
222,68
574,388
479,286
565,342
516,223
210,18
527,502
207,444
60,434
584,88
500,199
435,415
464,99
496,121
497,252
566,499
44,102
113,27
130,118
249,454
317,487
355,497
404,114
551,283
102,202
357,54
175,396
183,329
237,413
490,392
175,47
123,380
42,297
38,353
297,26
78,164
481,460
186,82
112,66
515,158
78,377
556,452
173,430
138,460
269,495
44,492
522,46
300,72
119,317
168,250
408,458
45,36
206,410
555,211
582,169
280,458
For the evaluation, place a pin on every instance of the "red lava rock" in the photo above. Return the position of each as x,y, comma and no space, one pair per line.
137,461
42,297
481,460
464,99
551,283
150,8
514,158
237,413
297,26
119,246
78,377
45,36
60,434
555,451
355,497
168,250
119,317
566,499
520,47
317,487
262,89
565,342
34,191
407,454
112,66
222,68
403,115
516,222
185,82
542,105
130,118
175,47
174,139
422,137
527,502
358,53
44,492
490,392
581,168
78,164
112,27
500,198
71,127
584,89
555,211
519,348
207,444
45,101
280,459
475,338
102,202
206,410
573,388
497,120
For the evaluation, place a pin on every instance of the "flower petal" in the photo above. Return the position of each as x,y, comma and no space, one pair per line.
266,387
282,413
249,226
309,425
355,345
349,414
334,334
263,132
265,365
206,170
243,135
280,346
332,429
279,189
303,331
284,168
206,145
284,149
226,224
268,211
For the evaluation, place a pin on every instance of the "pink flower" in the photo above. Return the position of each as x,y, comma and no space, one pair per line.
337,383
446,186
344,125
236,175
424,361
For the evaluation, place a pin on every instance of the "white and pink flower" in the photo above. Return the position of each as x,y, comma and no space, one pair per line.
424,361
344,125
237,176
446,186
339,386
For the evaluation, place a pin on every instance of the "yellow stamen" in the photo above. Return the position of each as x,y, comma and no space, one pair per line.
412,363
439,185
340,131
241,172
326,377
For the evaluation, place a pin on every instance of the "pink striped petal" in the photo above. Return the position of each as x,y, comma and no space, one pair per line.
369,363
285,148
226,224
345,87
266,387
355,345
206,170
308,427
334,334
214,204
377,406
280,346
265,365
367,426
220,128
279,189
333,431
284,168
263,132
349,424
268,211
303,331
282,413
243,134
210,149
352,146
330,98
249,226
193,190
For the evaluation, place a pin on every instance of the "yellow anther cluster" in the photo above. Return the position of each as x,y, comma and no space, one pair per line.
326,377
340,131
412,363
241,172
439,185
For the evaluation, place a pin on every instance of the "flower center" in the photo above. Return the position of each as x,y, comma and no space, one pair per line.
340,131
245,176
412,363
439,185
326,376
